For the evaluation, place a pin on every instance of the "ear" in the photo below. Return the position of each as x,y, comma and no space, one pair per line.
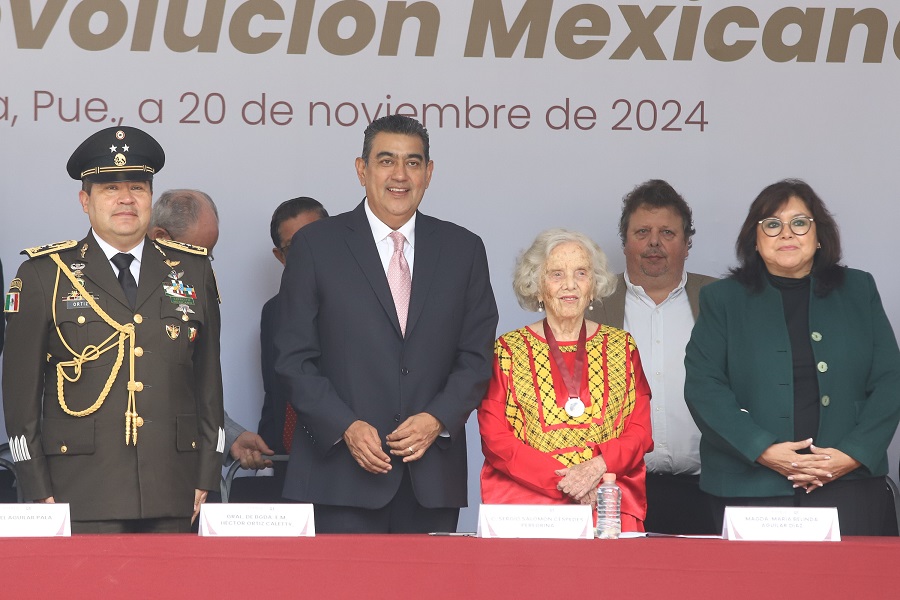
279,255
83,198
361,171
428,171
158,233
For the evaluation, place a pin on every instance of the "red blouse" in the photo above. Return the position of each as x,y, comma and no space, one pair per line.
526,435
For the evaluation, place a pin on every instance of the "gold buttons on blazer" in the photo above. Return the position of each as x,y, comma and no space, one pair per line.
816,336
826,400
63,448
822,366
138,351
139,421
138,386
81,319
138,319
194,445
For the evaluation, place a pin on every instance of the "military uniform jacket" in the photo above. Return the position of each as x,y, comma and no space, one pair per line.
177,382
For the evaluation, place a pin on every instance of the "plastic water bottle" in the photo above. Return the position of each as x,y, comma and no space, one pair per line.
609,505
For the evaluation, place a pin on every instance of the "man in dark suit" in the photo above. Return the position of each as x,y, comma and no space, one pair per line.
125,333
2,321
384,345
657,302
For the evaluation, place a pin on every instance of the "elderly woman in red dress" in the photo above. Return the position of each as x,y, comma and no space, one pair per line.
568,400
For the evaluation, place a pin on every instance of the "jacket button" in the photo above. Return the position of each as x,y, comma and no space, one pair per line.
404,371
193,444
138,351
63,448
140,421
822,366
826,400
81,319
816,336
138,319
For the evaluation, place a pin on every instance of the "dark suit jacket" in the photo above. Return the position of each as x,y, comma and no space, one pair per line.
739,381
2,320
84,460
271,421
341,356
611,311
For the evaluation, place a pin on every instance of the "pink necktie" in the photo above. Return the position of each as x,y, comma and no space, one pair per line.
399,279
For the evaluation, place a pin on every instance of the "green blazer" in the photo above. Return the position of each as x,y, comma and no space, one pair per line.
739,381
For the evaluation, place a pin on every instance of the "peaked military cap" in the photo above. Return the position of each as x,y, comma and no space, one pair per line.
117,154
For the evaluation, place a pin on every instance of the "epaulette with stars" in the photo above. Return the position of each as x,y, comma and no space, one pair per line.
49,248
189,248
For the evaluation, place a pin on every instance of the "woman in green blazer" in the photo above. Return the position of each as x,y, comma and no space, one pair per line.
793,370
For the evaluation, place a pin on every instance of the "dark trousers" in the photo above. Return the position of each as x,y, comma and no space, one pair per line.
161,525
861,503
676,505
403,514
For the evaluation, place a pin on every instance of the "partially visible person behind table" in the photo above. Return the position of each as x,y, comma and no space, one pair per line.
191,217
278,419
112,387
657,302
568,400
792,370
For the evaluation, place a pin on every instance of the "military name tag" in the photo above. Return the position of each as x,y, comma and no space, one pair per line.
35,520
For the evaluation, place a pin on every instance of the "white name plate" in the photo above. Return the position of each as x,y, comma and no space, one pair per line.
566,522
781,524
35,520
257,520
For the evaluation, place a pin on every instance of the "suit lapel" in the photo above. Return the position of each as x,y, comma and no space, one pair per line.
362,246
99,271
428,251
154,272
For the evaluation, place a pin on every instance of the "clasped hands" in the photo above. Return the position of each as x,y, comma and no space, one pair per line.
410,441
580,482
807,471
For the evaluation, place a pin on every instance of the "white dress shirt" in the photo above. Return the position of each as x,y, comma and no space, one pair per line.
662,331
385,244
136,252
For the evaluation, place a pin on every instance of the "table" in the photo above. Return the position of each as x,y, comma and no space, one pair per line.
423,567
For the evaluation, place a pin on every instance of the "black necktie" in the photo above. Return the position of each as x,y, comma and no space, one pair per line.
126,279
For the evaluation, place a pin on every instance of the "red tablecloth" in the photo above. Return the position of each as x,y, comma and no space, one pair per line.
130,567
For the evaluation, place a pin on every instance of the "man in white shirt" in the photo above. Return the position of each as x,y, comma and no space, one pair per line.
657,302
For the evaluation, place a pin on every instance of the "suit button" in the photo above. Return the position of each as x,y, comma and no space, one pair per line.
396,418
63,448
194,445
816,336
822,366
138,386
826,400
81,319
140,421
138,351
404,371
138,319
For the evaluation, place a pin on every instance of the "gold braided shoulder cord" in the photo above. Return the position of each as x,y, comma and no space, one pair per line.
92,352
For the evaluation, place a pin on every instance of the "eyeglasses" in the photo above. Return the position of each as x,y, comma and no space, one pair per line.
799,225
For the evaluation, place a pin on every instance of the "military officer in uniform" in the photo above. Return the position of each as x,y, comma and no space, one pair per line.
112,387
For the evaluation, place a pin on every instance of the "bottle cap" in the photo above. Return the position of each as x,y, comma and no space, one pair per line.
609,478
